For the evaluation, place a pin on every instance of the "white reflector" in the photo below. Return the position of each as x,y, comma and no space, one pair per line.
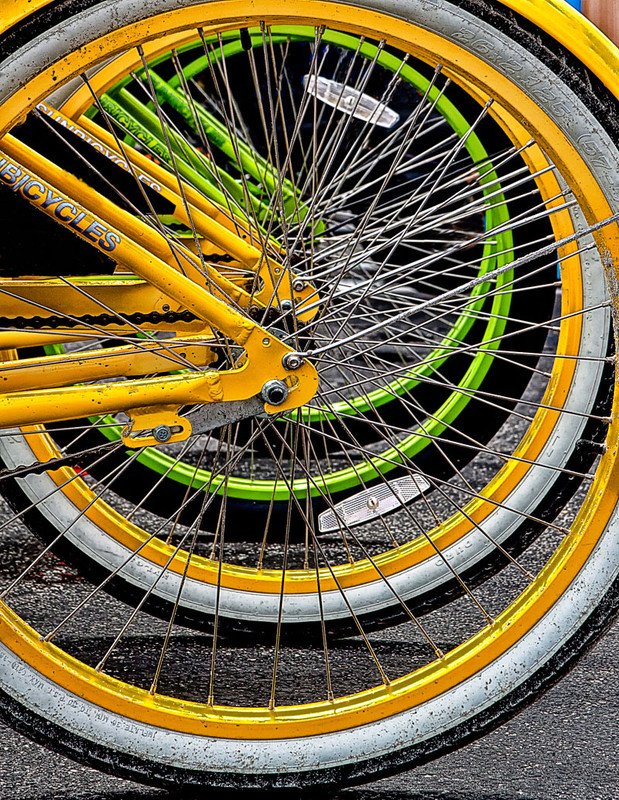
372,503
350,101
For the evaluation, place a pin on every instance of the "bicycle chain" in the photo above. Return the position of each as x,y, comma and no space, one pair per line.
98,320
71,460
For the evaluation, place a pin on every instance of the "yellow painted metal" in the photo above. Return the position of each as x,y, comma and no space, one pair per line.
192,208
48,372
464,661
78,296
35,407
150,256
264,350
122,224
74,402
13,11
15,339
276,283
139,432
149,259
210,221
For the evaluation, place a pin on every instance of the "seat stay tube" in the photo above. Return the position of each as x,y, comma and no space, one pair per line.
235,237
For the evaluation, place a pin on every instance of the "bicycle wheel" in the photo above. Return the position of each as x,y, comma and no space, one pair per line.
120,104
163,721
434,398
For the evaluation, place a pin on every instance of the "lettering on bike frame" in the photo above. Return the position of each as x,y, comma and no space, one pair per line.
54,204
77,131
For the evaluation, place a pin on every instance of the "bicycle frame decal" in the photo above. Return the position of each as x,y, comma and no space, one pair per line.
40,194
120,162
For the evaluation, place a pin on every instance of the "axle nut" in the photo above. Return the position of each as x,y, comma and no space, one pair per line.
274,392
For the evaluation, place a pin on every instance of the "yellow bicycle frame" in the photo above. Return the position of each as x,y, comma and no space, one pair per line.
178,275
